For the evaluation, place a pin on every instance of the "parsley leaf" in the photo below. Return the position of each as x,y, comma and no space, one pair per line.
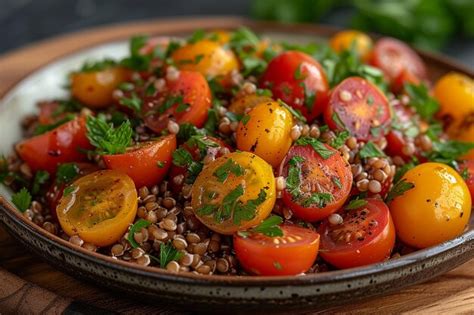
228,204
449,151
340,139
355,204
293,178
182,157
92,66
40,129
106,138
138,61
318,146
136,227
66,172
296,113
41,177
230,166
370,150
269,227
187,130
133,102
247,211
318,199
168,253
405,168
399,189
22,199
425,105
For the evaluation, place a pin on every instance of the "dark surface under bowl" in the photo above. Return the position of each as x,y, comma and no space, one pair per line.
313,291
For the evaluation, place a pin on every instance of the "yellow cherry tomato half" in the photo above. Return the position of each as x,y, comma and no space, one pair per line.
95,88
345,39
98,207
207,57
242,103
435,210
234,193
220,36
455,93
265,131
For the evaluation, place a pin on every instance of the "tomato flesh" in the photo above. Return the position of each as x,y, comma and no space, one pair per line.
193,99
147,164
61,145
360,107
298,80
331,176
99,208
393,57
290,254
366,236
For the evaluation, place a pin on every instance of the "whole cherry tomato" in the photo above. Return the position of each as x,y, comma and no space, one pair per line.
345,39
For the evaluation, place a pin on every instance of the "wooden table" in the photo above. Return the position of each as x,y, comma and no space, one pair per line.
449,293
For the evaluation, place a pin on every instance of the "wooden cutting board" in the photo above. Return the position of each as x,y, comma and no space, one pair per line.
451,293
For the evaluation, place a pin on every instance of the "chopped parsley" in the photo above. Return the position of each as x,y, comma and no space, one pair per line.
92,66
136,227
183,158
245,119
168,253
399,189
269,227
41,177
337,182
106,138
355,204
40,129
230,166
293,179
318,199
245,44
420,99
318,146
448,152
296,113
137,60
69,190
66,173
133,102
22,199
465,173
405,168
197,36
340,139
370,150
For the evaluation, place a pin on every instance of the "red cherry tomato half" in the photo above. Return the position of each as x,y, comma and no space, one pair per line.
213,151
314,175
405,76
275,256
46,112
467,168
60,145
147,163
366,236
298,80
360,107
186,100
393,57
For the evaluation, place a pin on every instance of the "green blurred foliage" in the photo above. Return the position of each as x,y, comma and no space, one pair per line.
426,24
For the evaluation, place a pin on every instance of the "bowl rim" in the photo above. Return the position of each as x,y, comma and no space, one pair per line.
252,281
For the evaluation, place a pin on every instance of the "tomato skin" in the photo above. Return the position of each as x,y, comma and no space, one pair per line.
195,91
455,93
262,257
360,106
266,132
61,145
141,163
405,76
320,173
46,113
425,217
100,208
375,247
95,88
215,61
282,78
257,177
344,40
243,103
393,56
469,165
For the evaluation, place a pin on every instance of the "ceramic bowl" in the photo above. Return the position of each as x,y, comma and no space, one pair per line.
212,292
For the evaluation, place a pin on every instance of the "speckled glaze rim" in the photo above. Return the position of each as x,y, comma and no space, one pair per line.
308,291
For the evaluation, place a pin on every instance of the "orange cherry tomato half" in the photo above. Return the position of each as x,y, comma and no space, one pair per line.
360,107
393,57
299,80
190,98
99,207
60,145
308,175
147,163
366,236
290,254
405,76
95,88
466,168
